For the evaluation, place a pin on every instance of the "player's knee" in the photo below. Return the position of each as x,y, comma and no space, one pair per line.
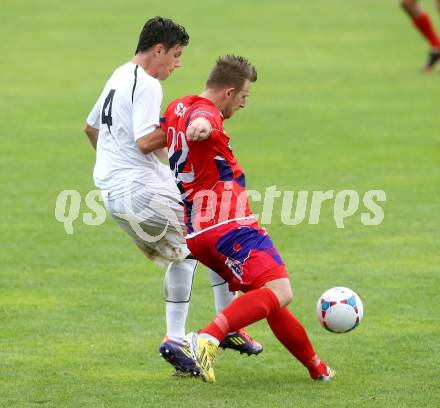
287,296
282,290
178,281
177,292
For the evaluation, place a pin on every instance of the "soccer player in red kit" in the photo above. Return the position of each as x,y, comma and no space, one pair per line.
221,230
423,24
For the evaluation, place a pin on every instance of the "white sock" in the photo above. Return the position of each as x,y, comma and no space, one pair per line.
222,295
177,286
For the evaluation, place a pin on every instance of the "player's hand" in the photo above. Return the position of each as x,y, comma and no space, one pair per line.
199,129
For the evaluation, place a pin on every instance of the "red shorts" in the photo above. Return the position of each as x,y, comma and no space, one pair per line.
243,255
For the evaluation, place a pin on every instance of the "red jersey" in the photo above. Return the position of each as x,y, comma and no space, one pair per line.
211,181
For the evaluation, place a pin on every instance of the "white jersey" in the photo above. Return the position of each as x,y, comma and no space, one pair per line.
128,108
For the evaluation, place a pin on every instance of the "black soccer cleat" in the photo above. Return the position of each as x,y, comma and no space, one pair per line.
179,356
241,342
433,59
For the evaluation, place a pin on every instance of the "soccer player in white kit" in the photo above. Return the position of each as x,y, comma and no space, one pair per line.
140,192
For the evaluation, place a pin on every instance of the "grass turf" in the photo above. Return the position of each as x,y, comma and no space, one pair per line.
339,104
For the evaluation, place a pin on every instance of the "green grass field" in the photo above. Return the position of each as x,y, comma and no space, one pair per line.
339,104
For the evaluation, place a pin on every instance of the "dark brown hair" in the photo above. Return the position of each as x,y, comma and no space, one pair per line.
231,71
159,30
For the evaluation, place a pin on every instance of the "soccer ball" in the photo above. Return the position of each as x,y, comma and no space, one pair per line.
339,310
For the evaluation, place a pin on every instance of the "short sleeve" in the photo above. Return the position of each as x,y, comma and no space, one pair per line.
94,115
147,99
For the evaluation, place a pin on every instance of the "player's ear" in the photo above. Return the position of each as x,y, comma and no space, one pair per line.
229,92
158,49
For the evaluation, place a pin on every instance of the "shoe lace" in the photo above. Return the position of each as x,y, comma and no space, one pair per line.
243,332
211,350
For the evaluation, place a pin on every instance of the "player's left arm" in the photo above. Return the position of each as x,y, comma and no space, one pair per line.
153,141
148,134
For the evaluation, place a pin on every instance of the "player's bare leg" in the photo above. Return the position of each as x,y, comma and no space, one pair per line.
423,24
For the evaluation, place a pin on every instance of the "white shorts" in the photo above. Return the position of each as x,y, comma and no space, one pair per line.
154,220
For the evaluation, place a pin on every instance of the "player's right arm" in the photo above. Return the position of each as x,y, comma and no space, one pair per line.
92,134
199,129
202,121
91,128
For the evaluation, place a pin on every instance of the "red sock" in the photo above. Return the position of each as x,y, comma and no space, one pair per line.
243,311
292,335
424,25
